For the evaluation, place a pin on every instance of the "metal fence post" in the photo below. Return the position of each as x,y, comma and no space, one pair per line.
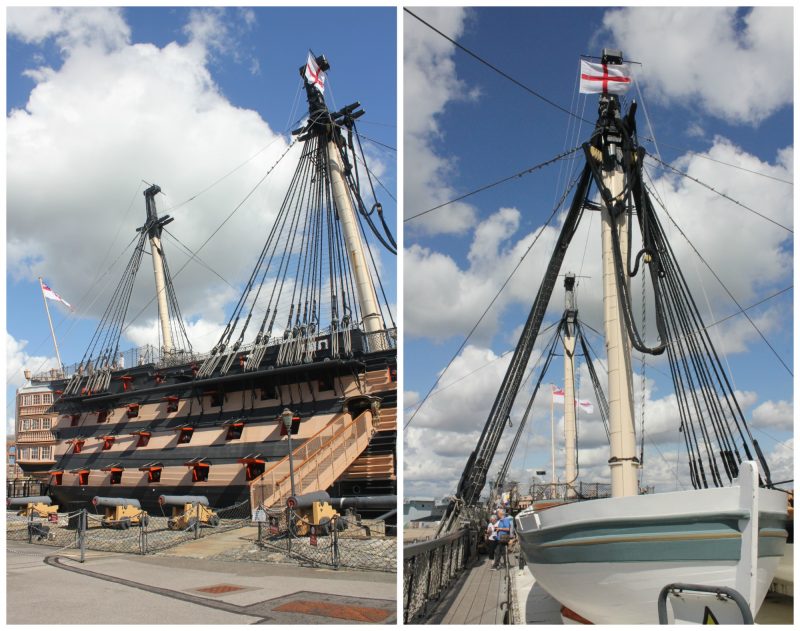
82,526
197,521
30,527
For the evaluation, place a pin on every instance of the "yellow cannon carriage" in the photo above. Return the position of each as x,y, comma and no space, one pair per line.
121,512
188,510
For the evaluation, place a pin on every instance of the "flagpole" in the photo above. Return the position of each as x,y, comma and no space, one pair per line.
552,443
50,320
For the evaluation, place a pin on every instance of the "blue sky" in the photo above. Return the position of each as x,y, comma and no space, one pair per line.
475,127
100,99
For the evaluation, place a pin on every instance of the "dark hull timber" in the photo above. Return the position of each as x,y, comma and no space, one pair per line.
162,402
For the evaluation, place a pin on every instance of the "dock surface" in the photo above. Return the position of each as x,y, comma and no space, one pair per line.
479,597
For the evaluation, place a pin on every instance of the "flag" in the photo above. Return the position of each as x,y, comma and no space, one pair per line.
585,405
314,75
605,78
50,294
558,395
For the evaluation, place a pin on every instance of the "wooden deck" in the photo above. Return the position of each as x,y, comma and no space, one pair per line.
479,598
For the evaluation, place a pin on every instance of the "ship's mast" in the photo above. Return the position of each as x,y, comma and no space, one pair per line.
570,432
365,288
623,460
154,227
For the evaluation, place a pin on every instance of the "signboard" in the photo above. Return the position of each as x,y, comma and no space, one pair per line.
260,515
312,539
273,525
53,518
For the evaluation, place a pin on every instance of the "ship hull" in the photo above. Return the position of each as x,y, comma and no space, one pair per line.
608,559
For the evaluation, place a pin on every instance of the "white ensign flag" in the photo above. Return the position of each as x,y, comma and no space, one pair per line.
314,75
585,405
558,395
605,78
49,293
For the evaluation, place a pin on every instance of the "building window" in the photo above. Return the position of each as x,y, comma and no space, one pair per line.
47,398
47,452
47,423
11,460
116,476
34,453
26,425
36,399
185,436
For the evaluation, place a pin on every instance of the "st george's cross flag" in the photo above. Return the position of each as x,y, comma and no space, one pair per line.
605,78
585,405
314,75
51,295
558,395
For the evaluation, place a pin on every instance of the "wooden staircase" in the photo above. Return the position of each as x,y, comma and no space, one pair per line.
318,462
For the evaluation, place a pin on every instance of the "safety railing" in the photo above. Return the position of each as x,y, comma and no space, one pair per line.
430,569
318,462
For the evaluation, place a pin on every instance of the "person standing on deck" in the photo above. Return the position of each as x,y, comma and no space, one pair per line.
503,530
491,536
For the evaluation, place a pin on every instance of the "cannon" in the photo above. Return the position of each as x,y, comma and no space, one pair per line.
187,510
313,509
121,512
38,505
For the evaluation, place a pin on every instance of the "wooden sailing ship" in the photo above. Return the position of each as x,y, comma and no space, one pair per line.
306,355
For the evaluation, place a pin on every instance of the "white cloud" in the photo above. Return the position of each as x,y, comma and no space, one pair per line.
18,360
774,415
735,63
430,83
110,116
71,27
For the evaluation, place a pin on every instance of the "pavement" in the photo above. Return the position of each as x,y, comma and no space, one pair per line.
113,588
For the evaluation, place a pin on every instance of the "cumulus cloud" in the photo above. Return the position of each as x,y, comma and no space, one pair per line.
735,63
430,83
70,27
113,115
18,360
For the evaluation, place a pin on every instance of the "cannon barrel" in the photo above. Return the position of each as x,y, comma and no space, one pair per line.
24,501
367,501
180,500
307,499
116,501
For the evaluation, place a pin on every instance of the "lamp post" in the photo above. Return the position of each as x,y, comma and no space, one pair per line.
286,416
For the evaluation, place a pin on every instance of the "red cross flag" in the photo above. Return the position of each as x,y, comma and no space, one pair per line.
558,395
605,78
314,75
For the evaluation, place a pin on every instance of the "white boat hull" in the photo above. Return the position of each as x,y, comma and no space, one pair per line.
608,559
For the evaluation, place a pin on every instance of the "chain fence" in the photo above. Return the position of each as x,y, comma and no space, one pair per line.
345,541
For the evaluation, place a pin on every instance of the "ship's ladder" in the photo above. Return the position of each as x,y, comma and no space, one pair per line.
318,462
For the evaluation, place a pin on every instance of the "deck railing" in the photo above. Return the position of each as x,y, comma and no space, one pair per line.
430,569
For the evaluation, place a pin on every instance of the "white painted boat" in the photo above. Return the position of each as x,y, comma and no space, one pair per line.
608,559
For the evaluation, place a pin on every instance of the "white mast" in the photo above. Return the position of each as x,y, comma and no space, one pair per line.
154,226
50,320
623,461
367,298
570,430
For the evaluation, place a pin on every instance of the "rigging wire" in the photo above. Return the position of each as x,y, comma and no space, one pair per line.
493,67
721,194
496,296
730,295
501,181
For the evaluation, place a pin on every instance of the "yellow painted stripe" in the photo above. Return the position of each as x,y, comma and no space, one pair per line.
773,532
624,539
